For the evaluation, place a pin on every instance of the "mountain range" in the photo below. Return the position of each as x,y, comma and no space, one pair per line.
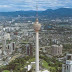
61,12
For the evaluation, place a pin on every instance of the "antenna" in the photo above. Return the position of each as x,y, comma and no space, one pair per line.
36,9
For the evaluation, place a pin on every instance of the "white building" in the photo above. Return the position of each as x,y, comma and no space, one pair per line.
11,47
3,44
45,71
0,54
7,36
67,67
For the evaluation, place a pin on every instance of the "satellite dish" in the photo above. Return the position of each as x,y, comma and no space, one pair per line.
4,52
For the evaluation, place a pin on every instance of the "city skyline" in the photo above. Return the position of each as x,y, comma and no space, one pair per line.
16,5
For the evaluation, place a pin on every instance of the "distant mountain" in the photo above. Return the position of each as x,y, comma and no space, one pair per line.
16,13
61,12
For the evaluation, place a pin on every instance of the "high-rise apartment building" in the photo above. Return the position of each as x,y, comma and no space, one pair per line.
56,50
67,67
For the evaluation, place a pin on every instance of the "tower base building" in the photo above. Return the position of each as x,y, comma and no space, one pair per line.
67,67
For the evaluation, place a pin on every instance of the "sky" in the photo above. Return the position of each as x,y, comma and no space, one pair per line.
16,5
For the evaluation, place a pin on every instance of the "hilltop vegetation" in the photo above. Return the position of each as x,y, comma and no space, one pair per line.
19,64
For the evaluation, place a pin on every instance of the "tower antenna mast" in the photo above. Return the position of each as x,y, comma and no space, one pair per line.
37,9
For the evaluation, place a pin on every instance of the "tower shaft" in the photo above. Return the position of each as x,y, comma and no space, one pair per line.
37,51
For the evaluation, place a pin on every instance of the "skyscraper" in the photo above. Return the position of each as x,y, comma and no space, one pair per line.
67,67
29,50
3,45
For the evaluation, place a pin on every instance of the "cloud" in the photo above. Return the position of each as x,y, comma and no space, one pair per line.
12,5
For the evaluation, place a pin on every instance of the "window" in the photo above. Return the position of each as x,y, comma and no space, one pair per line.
68,57
8,46
67,67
